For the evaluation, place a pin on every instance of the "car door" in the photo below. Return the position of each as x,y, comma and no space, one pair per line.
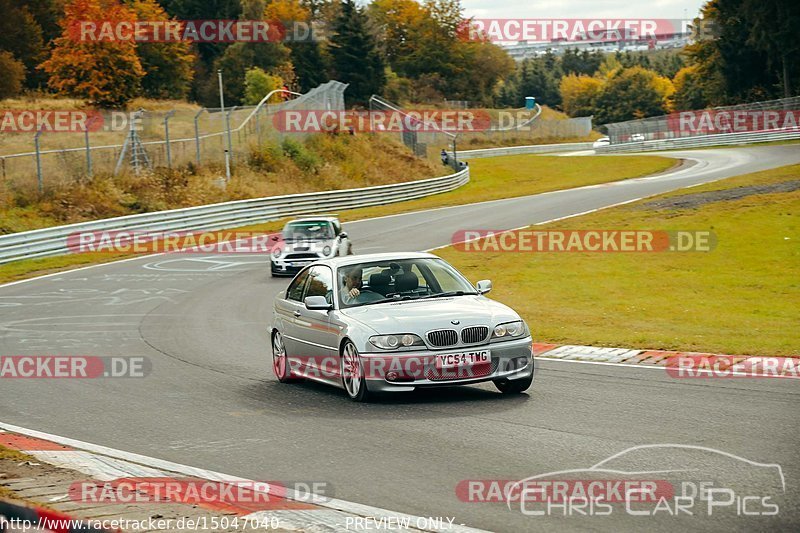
319,338
287,311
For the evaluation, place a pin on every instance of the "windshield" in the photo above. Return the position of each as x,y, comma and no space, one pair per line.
308,230
406,279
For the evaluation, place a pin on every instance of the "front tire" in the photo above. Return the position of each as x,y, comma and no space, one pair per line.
280,361
353,378
516,386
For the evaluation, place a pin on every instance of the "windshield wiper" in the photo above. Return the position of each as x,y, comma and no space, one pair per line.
446,294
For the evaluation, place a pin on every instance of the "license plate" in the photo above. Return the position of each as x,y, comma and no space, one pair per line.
456,360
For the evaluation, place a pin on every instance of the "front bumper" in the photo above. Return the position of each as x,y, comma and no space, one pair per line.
417,369
290,266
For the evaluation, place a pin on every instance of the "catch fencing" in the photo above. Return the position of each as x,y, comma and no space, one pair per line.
169,137
515,126
672,126
700,142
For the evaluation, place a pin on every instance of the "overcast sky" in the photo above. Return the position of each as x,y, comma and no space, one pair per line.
650,9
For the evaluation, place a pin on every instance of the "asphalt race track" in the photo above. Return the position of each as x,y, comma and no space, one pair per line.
211,400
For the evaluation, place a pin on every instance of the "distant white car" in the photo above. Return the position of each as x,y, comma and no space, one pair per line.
637,137
306,240
602,141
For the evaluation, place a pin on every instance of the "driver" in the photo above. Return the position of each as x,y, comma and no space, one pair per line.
352,285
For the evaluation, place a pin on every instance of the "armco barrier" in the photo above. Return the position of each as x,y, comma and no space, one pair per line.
53,241
514,150
15,517
699,141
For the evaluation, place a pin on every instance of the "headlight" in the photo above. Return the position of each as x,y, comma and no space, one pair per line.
392,342
276,253
509,330
326,251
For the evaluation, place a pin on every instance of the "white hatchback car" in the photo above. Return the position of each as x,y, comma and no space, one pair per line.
308,239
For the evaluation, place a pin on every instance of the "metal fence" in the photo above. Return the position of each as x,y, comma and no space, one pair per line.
670,126
170,137
54,241
700,141
526,127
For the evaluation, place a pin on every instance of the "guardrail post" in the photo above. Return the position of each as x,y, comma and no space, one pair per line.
197,135
227,127
166,137
88,149
38,161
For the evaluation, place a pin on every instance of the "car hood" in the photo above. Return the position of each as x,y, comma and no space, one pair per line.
419,316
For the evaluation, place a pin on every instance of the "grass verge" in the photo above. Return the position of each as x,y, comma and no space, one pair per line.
743,297
495,178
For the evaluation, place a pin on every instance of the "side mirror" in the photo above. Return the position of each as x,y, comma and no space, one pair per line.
343,235
484,286
275,238
317,303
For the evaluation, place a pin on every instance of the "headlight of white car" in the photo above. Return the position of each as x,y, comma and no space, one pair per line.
392,342
326,251
509,330
276,253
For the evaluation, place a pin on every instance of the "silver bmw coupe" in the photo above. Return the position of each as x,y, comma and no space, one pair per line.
396,322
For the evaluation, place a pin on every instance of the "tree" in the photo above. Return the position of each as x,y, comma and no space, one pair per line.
689,92
258,84
773,31
168,66
397,22
46,13
306,56
579,94
205,80
106,73
21,35
355,57
738,65
13,74
581,62
309,65
630,94
484,65
540,80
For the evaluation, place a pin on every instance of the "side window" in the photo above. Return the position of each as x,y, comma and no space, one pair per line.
320,283
295,290
337,227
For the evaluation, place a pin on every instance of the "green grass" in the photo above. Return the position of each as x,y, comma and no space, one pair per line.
495,178
741,298
521,175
